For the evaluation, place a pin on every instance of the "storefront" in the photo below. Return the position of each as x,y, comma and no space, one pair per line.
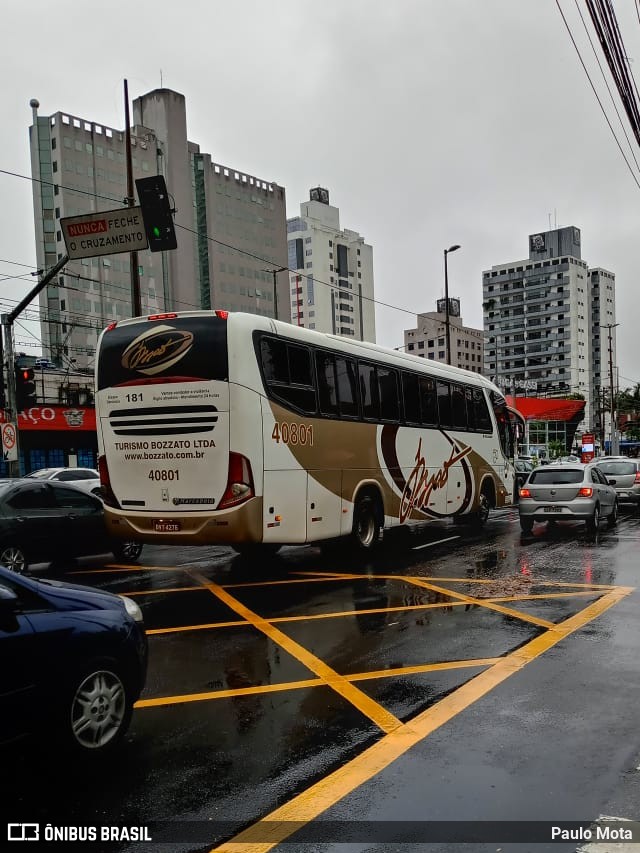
547,421
55,436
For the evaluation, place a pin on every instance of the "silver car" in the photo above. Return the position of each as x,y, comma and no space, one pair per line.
567,492
624,476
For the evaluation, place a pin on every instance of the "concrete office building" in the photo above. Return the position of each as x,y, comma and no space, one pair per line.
230,225
332,289
543,318
428,339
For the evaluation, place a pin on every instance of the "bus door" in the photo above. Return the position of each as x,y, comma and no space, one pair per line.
285,480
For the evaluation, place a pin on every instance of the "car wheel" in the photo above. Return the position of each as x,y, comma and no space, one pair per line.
526,525
127,552
14,558
594,521
98,710
365,532
613,518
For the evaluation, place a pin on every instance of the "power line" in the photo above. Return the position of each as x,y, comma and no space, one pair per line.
218,242
637,183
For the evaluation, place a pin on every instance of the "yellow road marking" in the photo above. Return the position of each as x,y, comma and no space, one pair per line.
226,694
485,602
379,715
180,628
159,701
168,589
292,580
316,799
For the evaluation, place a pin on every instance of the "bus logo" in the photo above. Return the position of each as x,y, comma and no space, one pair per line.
156,350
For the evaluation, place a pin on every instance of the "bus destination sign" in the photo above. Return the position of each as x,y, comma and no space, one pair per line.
108,232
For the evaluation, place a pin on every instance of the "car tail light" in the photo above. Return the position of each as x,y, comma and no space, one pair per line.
637,479
105,482
585,492
525,493
239,482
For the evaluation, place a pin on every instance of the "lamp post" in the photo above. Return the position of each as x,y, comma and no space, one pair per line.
274,272
446,301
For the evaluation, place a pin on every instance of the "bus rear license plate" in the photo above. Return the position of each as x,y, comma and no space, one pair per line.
166,526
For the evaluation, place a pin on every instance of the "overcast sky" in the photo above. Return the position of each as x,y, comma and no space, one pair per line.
431,122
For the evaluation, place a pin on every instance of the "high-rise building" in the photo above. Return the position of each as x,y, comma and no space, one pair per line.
332,288
543,319
428,339
230,225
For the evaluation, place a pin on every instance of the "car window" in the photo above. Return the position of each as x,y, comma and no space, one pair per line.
550,477
73,474
36,496
74,498
619,468
40,474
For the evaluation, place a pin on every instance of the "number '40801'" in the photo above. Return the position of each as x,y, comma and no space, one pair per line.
292,433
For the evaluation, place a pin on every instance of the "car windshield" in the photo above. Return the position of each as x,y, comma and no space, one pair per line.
551,477
617,467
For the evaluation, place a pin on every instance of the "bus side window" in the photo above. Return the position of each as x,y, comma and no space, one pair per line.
428,401
482,416
347,387
458,408
274,360
388,387
369,392
471,412
327,386
444,404
411,398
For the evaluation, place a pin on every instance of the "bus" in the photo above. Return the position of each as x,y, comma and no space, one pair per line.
217,427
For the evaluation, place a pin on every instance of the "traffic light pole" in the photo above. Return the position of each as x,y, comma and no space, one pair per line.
9,355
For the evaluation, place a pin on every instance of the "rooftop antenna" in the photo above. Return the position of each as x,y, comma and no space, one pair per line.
161,78
549,215
555,217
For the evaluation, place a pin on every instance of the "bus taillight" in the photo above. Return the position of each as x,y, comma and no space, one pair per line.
239,482
222,315
105,483
170,316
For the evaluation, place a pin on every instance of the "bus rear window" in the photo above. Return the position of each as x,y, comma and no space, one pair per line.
185,348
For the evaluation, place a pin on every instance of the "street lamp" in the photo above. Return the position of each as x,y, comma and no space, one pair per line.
446,301
274,272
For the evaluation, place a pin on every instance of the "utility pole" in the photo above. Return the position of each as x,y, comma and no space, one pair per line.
613,446
7,331
274,272
136,304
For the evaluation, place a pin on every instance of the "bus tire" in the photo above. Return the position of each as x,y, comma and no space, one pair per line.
479,517
365,532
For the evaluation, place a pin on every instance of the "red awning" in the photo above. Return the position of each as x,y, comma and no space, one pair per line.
537,409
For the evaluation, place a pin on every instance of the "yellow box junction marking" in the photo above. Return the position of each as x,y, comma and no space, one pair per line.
309,804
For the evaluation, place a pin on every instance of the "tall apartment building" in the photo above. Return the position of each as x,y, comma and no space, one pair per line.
230,225
332,290
543,318
428,339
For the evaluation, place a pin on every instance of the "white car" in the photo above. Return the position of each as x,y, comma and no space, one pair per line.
86,479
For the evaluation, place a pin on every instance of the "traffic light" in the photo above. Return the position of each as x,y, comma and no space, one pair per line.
25,388
156,213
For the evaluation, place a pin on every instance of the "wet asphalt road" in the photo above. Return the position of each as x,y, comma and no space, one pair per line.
265,679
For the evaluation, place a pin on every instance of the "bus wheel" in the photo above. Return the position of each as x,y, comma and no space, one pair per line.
256,549
366,523
480,516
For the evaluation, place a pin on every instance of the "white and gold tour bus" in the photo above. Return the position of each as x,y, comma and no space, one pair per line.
219,427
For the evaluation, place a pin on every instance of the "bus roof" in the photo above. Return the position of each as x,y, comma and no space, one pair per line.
356,348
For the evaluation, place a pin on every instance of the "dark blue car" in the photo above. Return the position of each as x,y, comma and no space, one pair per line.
73,661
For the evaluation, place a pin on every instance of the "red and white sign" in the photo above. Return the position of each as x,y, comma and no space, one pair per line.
105,233
9,446
65,418
588,447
